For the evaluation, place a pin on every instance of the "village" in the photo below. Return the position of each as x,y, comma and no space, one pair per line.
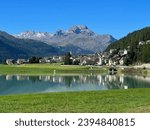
112,58
98,59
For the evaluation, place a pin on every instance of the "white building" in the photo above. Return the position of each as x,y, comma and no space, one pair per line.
9,61
125,52
121,61
141,43
21,61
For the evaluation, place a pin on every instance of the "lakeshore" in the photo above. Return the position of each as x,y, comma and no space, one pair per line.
48,69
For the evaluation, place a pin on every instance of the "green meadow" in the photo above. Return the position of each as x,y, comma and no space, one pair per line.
132,100
47,69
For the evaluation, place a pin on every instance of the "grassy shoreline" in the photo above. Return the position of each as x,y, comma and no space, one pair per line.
132,100
136,71
47,69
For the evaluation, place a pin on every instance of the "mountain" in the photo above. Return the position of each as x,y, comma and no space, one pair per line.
12,47
137,52
77,36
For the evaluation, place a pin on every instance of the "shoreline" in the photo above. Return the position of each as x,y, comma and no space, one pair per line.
48,69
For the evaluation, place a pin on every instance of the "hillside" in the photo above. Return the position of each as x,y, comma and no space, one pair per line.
14,48
137,52
132,39
11,47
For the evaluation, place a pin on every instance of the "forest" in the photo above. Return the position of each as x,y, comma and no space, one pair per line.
137,53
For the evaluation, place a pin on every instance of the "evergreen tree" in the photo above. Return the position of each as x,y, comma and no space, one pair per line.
68,59
34,60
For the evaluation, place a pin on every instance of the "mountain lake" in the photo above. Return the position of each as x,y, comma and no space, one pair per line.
21,84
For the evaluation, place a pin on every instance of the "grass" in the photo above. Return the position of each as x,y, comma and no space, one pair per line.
38,69
132,100
133,71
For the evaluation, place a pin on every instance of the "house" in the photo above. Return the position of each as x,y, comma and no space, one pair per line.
111,51
83,62
45,60
57,59
122,61
141,43
9,61
148,42
121,52
87,60
42,60
125,52
110,62
21,61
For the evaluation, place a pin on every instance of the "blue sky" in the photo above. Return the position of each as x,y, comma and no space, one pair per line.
115,17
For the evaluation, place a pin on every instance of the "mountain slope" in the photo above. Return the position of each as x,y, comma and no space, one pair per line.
138,45
79,36
11,47
132,39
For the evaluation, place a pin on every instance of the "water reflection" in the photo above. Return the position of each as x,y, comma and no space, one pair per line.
17,84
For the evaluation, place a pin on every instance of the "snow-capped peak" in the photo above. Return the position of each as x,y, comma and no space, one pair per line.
33,35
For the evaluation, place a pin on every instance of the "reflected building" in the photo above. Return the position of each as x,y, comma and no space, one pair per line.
99,78
20,77
9,77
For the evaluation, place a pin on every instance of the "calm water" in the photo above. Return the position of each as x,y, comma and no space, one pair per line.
16,84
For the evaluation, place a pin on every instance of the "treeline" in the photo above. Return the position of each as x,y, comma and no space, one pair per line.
138,53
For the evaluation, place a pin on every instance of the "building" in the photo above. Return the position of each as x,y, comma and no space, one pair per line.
110,62
141,43
122,61
148,42
87,60
125,52
9,61
21,61
111,51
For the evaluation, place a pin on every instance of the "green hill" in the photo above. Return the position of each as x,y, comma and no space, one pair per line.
11,47
138,53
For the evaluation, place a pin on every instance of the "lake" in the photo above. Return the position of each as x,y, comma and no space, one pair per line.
19,84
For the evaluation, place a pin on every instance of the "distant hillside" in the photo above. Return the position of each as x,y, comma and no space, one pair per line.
11,47
138,53
14,48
